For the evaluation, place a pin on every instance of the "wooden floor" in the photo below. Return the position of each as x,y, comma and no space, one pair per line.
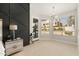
48,48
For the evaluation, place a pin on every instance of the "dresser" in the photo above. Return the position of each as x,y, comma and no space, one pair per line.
14,46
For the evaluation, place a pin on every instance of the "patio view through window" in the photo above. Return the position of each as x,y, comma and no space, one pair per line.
64,25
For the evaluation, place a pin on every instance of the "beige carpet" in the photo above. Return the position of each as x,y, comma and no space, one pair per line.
48,48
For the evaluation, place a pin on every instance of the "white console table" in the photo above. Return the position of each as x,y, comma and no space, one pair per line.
13,46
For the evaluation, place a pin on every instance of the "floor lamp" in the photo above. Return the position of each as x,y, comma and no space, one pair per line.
13,28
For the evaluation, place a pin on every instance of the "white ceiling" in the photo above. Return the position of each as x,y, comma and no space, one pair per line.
47,8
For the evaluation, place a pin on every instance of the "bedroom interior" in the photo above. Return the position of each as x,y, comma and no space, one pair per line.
34,28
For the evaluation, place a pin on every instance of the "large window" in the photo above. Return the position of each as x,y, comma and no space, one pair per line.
64,25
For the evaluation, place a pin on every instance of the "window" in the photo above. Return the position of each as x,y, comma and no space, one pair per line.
64,25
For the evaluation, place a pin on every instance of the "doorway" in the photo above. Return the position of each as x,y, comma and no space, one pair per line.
45,28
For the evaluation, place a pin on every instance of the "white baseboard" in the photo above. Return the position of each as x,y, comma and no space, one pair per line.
35,39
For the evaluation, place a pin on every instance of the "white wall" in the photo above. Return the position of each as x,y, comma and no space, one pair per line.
34,14
78,27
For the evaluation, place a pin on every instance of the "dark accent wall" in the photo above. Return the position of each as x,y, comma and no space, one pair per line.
4,14
16,13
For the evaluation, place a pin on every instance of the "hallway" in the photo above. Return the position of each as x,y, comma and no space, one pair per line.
48,48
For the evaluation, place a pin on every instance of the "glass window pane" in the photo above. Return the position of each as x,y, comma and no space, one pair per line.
64,25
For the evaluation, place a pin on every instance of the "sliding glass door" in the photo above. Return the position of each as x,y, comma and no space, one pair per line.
64,25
